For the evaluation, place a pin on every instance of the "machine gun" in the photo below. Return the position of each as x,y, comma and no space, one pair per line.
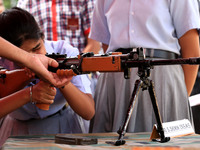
118,62
110,62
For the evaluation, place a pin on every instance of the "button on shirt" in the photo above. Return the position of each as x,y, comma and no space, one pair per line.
155,24
82,82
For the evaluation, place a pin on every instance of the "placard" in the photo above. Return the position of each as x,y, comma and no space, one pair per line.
174,129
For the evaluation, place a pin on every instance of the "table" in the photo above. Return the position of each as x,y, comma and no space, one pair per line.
134,141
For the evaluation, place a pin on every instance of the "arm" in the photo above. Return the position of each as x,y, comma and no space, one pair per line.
14,53
92,46
37,64
86,17
14,101
41,94
15,80
81,103
189,43
105,47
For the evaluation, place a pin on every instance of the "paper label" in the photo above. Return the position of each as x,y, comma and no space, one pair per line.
174,129
194,100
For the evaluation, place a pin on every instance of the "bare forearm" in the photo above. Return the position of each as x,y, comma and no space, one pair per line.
14,81
12,52
38,63
190,73
105,47
190,48
14,101
92,46
39,93
81,103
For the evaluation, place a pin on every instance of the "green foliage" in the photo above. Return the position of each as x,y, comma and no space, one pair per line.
9,3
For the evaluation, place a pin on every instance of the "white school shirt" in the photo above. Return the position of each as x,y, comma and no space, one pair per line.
155,24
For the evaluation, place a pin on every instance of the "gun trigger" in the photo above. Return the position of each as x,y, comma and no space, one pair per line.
75,70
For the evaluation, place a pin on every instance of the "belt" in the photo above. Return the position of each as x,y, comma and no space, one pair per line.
58,112
151,53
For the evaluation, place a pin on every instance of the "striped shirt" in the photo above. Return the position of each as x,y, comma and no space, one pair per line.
62,20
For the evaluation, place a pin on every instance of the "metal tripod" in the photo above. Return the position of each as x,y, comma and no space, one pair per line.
145,83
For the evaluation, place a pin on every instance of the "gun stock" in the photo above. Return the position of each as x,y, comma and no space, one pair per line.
13,81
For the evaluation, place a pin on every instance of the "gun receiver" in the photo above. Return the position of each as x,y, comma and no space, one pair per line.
88,62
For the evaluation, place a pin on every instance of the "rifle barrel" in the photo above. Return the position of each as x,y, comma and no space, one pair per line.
136,63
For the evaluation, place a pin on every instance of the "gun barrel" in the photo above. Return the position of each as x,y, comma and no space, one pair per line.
136,63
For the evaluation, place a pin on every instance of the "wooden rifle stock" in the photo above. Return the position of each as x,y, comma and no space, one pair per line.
13,81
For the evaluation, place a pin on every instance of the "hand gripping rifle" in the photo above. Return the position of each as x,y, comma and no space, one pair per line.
12,81
15,80
118,62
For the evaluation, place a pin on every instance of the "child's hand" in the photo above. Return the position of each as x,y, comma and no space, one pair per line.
67,74
43,92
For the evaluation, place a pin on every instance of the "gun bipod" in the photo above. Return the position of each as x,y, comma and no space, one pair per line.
145,83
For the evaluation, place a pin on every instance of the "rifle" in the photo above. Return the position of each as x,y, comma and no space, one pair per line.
110,62
13,81
118,62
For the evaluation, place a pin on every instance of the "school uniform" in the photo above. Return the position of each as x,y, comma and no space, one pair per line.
60,118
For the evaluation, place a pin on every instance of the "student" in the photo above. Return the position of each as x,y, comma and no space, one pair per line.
66,20
36,62
11,95
20,28
161,27
73,20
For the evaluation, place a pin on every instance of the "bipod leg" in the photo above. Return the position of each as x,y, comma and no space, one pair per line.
122,131
157,113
